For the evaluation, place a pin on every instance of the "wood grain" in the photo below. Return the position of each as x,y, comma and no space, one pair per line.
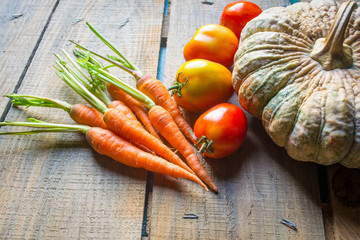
53,186
18,39
258,186
343,208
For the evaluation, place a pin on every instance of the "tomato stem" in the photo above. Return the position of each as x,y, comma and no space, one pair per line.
206,144
176,88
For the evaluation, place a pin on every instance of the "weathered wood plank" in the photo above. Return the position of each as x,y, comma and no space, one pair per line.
53,186
258,186
18,38
343,220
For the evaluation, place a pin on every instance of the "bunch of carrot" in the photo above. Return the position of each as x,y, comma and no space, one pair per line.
113,128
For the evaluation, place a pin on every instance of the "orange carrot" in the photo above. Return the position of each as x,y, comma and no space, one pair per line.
176,142
118,122
168,129
130,115
134,105
134,157
86,115
109,144
122,107
80,113
149,85
115,122
155,90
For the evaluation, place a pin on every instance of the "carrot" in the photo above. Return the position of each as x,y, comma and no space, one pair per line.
169,130
118,122
105,142
196,165
130,115
117,93
96,87
149,85
155,90
134,105
86,115
80,113
117,104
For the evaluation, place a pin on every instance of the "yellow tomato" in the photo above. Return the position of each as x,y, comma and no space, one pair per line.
201,84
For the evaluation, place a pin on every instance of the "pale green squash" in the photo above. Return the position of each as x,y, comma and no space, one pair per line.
297,69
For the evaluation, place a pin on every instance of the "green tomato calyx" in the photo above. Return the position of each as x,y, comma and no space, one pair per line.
204,143
177,86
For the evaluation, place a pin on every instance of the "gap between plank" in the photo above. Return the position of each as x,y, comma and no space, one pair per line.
160,75
29,61
323,183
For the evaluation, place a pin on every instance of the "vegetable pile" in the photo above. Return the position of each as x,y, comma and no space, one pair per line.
204,81
130,124
128,128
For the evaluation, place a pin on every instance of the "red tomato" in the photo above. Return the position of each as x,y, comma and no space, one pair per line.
226,125
212,42
237,14
201,84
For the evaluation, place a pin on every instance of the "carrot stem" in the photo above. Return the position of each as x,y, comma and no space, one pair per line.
48,127
112,47
136,74
94,85
67,77
37,101
96,69
110,78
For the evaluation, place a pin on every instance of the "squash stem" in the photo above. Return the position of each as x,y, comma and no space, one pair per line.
331,52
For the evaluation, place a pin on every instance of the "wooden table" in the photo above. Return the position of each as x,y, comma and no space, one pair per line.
53,186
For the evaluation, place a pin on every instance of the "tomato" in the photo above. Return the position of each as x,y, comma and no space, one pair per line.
237,14
212,42
226,125
201,84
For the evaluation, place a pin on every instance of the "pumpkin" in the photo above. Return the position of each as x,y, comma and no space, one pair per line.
297,69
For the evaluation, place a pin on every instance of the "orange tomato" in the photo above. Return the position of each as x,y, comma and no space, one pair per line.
221,129
237,14
212,42
201,84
